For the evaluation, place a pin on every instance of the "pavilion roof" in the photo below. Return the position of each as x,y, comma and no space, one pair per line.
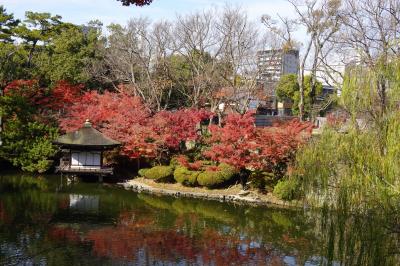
87,137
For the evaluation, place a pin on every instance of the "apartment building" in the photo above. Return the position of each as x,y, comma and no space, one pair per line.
272,64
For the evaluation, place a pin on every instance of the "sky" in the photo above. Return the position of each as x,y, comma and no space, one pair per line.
111,11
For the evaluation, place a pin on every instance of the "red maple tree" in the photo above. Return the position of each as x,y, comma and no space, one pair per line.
135,2
125,118
173,127
240,144
62,95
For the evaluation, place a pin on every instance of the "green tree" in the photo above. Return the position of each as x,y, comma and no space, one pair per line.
7,25
288,89
28,145
70,54
354,163
11,57
49,49
27,133
36,31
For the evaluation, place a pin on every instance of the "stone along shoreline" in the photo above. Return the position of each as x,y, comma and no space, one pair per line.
231,194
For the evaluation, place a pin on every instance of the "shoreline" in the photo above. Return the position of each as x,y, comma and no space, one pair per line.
230,195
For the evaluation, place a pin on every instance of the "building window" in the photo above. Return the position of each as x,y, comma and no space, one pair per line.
82,159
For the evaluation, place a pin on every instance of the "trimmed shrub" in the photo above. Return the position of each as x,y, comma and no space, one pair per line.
185,176
160,173
212,179
287,189
174,162
142,172
260,180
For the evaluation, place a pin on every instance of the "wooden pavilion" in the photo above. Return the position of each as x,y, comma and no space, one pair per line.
82,151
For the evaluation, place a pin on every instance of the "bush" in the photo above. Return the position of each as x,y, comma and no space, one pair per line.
287,189
185,176
212,179
261,180
142,172
160,173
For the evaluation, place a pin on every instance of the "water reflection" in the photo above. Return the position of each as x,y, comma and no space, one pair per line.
42,222
83,202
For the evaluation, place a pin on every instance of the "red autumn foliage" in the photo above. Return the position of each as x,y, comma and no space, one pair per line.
234,143
64,94
125,118
174,127
183,160
61,96
118,115
213,168
336,120
136,2
240,144
28,89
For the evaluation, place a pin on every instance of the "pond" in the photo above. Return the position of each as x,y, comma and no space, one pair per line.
46,221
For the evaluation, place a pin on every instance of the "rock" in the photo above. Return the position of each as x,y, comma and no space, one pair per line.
243,193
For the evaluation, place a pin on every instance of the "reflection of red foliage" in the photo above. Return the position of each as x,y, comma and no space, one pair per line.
211,247
224,249
64,203
3,216
300,243
124,242
128,219
131,237
64,233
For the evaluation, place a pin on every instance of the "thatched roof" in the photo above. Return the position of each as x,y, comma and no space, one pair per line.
87,137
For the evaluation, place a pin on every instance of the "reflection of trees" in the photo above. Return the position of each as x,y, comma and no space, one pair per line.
3,215
336,236
209,247
286,230
148,229
358,239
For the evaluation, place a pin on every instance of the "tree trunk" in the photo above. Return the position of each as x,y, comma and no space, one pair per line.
31,53
301,102
301,79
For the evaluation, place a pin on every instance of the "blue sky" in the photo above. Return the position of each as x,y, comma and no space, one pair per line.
82,11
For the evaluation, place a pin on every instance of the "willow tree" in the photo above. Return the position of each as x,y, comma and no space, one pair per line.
355,161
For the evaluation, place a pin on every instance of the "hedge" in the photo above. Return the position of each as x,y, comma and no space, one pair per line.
185,176
142,172
212,179
159,173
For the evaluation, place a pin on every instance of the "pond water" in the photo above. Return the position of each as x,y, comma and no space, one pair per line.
45,221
